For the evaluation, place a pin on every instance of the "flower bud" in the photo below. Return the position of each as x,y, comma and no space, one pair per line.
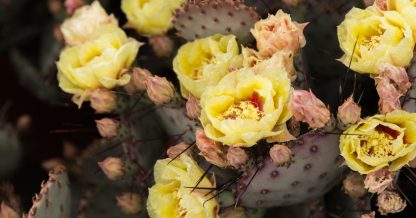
390,202
162,45
107,127
72,5
306,107
7,212
193,107
236,157
396,75
160,90
281,154
103,101
209,149
176,150
130,203
349,112
113,167
381,4
234,212
379,181
138,80
369,215
353,185
389,96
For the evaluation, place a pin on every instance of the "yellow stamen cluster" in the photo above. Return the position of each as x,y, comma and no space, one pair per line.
243,110
378,144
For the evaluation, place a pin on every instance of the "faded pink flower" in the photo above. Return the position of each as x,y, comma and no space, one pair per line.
237,157
103,101
160,90
396,75
369,215
379,181
138,80
306,107
107,127
72,5
281,154
210,150
278,33
130,203
162,45
113,167
176,150
390,202
381,4
349,112
353,185
193,107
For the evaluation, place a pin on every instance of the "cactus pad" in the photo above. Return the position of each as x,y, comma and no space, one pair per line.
315,170
197,19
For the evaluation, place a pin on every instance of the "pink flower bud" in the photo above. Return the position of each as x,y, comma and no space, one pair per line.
193,107
281,155
379,181
209,149
72,5
234,212
130,203
396,76
236,157
160,90
113,167
306,107
390,202
369,215
176,150
381,4
162,45
7,212
389,96
103,101
107,127
138,80
353,185
349,112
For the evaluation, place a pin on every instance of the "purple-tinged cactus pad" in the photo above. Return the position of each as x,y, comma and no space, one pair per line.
315,170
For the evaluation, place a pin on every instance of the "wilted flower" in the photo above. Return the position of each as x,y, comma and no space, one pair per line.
281,154
162,45
378,181
72,5
380,141
353,185
7,212
113,167
130,203
204,62
107,127
306,107
140,15
85,22
176,150
171,195
234,212
103,100
236,157
390,202
369,215
278,33
396,76
160,90
193,107
349,112
372,38
210,150
138,80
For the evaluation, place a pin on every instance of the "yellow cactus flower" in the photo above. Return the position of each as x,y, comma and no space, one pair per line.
246,107
204,62
407,8
150,17
171,196
97,63
379,37
380,141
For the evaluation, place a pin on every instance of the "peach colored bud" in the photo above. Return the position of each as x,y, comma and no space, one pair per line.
381,4
176,150
390,202
72,5
7,212
160,90
379,181
281,154
234,212
389,96
278,33
162,45
306,107
103,101
138,80
209,149
113,167
236,157
193,107
353,185
396,75
369,215
107,127
130,203
292,3
349,112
